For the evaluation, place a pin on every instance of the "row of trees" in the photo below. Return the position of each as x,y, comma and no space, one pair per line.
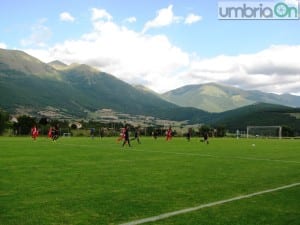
23,125
4,117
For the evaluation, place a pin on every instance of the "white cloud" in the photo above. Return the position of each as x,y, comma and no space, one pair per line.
67,17
272,70
100,14
130,19
129,55
3,45
164,17
152,60
40,34
192,18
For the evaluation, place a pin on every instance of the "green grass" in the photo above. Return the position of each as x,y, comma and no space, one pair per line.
85,181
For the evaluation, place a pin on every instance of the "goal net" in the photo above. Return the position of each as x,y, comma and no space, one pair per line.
264,131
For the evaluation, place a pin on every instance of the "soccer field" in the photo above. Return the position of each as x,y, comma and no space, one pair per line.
96,181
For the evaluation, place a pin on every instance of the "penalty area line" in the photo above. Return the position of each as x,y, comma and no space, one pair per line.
187,210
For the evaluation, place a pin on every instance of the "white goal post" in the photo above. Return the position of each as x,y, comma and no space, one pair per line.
264,131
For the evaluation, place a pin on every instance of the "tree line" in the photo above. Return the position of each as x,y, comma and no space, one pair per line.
23,124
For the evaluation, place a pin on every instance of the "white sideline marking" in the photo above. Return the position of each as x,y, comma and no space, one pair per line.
220,157
187,210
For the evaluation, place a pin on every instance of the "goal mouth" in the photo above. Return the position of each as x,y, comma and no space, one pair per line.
264,132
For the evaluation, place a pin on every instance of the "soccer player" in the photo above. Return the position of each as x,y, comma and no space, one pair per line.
205,136
154,134
169,134
189,134
126,136
92,133
50,132
122,135
34,132
136,135
55,132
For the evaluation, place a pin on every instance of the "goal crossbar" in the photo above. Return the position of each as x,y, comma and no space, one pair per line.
265,127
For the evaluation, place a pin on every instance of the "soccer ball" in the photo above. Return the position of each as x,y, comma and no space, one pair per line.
253,145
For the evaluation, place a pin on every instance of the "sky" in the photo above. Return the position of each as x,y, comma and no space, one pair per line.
160,44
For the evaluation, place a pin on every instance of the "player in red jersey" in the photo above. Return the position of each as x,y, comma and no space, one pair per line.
34,132
169,134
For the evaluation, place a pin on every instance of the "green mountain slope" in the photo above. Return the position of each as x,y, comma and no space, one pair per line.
76,89
106,91
20,61
219,98
19,90
58,65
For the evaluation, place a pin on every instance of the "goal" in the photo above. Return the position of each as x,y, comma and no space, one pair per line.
264,132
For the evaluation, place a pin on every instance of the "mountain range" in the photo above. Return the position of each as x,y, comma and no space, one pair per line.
27,85
72,91
214,97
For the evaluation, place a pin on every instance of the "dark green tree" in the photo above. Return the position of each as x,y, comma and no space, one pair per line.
24,125
287,131
220,131
44,121
3,120
204,129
